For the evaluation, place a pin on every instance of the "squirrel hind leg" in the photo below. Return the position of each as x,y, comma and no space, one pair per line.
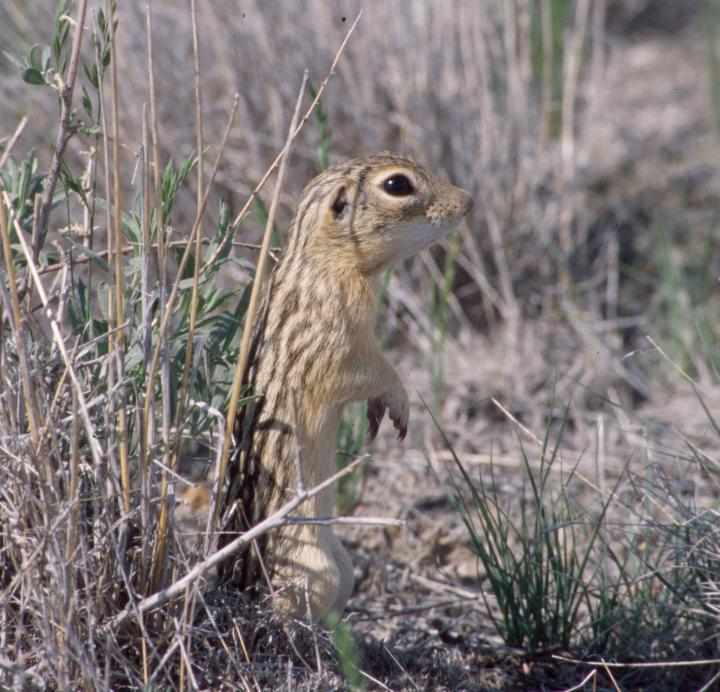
315,570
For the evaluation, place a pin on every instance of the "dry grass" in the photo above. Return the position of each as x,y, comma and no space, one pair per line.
590,165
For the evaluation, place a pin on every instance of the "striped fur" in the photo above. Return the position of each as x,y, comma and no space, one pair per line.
313,351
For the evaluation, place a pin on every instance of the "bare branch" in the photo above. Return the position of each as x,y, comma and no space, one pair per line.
66,94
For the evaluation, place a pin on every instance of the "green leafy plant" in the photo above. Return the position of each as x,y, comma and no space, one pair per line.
23,182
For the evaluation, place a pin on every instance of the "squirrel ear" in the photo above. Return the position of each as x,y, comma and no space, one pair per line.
340,202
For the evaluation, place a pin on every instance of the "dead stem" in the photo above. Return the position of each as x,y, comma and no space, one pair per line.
118,275
17,325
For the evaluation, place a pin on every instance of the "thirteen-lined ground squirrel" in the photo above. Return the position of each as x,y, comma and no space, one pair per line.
313,351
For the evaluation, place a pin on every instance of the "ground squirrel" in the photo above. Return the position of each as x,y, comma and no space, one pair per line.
313,351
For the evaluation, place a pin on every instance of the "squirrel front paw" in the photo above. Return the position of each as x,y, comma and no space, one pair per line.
396,403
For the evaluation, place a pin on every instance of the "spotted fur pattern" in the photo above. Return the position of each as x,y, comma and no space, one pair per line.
313,351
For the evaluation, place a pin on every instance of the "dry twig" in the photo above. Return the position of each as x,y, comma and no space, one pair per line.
11,144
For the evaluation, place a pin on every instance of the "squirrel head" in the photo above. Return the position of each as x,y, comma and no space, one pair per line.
369,213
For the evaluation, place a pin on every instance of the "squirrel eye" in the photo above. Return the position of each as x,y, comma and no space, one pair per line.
398,186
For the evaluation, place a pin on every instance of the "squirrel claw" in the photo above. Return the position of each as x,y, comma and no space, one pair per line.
402,429
375,414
